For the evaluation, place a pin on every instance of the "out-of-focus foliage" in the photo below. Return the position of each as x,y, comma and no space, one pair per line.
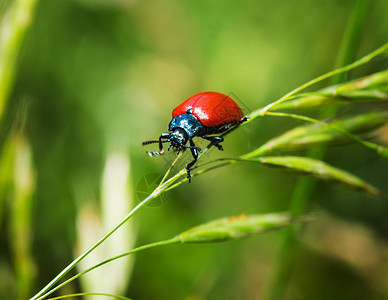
100,77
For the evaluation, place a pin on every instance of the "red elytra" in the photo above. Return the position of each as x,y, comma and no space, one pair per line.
211,109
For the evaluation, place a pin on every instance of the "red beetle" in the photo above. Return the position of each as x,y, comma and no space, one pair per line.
206,115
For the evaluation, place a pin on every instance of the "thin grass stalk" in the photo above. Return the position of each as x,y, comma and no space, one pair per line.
94,246
159,190
174,240
363,60
305,186
90,294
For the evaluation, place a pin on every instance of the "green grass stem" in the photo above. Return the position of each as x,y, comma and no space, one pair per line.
159,190
260,112
66,270
90,294
174,240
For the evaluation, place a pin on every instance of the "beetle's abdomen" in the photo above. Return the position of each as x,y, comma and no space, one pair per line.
212,109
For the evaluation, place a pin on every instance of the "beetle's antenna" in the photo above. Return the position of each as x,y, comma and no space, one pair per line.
152,142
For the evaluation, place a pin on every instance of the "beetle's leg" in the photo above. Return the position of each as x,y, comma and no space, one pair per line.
234,126
163,136
243,120
194,152
215,140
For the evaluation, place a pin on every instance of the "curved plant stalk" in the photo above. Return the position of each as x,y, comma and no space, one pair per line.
260,112
149,246
158,191
66,270
90,294
366,89
170,168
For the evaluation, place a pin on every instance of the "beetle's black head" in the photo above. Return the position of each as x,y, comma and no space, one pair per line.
182,128
178,139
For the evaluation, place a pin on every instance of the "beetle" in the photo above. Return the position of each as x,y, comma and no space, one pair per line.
209,115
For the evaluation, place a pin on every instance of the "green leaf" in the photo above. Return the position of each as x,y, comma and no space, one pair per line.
320,170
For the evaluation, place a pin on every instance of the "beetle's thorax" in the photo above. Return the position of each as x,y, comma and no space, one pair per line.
188,123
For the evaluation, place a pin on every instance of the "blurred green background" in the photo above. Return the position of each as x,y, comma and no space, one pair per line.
96,78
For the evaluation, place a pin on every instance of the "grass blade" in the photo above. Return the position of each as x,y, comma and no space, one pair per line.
226,229
320,170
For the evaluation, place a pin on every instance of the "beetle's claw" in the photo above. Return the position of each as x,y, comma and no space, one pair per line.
244,119
219,147
198,149
151,153
188,175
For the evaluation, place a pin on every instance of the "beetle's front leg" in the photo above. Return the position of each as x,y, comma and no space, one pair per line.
163,136
194,152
